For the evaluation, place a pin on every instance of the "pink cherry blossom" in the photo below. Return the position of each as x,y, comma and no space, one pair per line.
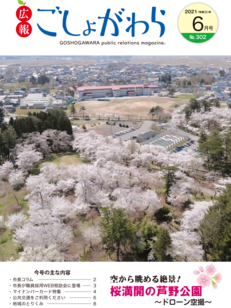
201,269
215,286
203,280
218,277
196,272
210,270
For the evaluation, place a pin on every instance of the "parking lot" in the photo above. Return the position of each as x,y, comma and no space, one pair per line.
118,129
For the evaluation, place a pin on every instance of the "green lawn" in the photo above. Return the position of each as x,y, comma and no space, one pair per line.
67,158
8,248
185,96
223,106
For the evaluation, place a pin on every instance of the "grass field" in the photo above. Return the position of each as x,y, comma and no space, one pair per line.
139,106
68,158
26,111
185,96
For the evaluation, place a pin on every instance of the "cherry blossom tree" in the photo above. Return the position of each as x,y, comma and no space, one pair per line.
49,141
40,254
134,200
62,208
143,178
16,178
82,207
87,143
57,141
186,246
92,235
5,170
1,222
15,221
44,235
142,159
27,157
50,171
40,190
220,186
180,191
192,218
66,186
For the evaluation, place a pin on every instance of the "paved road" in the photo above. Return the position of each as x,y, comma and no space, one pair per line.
145,127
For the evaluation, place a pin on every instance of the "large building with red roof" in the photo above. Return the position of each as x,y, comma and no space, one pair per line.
87,93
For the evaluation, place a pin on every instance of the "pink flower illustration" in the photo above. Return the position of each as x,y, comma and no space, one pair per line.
203,280
210,270
215,285
196,272
218,277
201,269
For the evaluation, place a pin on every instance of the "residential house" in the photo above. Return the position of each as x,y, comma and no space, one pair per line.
186,90
222,84
220,96
229,102
9,108
215,88
39,105
207,87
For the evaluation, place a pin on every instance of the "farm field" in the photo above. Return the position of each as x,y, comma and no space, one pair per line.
46,61
193,61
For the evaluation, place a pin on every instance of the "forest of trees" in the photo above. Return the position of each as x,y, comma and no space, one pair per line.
35,122
165,78
217,151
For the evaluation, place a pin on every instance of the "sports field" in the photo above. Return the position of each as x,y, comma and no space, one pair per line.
139,106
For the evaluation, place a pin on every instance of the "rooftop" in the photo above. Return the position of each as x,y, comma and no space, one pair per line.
114,88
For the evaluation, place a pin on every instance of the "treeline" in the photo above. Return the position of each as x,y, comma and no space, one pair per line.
165,78
43,79
203,78
35,122
198,106
216,229
41,121
217,150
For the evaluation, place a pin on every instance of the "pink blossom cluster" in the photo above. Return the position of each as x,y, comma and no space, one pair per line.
208,277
